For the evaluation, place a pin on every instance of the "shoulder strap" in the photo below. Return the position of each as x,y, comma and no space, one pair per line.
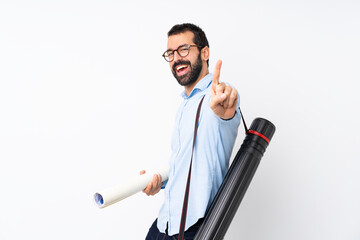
186,197
242,117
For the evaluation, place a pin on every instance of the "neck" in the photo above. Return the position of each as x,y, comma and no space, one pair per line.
189,88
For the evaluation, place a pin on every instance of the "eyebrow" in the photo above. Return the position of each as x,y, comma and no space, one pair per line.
177,47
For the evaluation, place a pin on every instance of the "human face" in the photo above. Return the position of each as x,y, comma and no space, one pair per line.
186,69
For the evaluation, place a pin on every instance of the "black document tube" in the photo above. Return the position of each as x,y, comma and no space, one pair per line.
236,181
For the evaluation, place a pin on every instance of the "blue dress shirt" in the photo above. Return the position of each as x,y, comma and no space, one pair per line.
214,143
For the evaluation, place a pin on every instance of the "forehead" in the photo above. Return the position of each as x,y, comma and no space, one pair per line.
174,41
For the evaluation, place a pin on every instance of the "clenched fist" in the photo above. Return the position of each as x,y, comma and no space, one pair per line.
154,186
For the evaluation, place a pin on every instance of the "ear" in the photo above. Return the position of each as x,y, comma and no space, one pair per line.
205,53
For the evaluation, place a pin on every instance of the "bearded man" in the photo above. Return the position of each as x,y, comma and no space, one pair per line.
188,57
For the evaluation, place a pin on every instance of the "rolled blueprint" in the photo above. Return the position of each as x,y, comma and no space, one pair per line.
236,181
128,188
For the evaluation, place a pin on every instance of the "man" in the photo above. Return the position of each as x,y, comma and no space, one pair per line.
188,56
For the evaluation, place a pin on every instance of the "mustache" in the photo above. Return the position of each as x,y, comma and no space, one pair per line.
180,62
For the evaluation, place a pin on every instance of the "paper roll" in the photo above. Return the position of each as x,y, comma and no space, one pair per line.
128,188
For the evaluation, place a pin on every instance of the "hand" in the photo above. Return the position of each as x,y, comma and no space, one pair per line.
154,186
223,100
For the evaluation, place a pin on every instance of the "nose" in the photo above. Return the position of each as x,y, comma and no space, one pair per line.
176,56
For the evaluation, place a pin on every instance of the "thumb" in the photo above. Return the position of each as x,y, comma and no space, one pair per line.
216,99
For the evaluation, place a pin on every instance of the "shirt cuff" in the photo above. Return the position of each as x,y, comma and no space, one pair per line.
164,184
229,118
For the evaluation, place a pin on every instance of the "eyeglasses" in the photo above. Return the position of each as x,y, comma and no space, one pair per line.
182,50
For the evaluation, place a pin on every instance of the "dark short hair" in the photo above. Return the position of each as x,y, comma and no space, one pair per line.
199,35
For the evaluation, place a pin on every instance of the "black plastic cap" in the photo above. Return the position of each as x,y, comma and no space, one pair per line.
264,127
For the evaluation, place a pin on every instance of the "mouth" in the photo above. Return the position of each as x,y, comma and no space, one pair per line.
182,70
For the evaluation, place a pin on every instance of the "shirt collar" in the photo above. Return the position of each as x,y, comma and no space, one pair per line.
200,86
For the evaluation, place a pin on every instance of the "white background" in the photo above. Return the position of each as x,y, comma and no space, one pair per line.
86,101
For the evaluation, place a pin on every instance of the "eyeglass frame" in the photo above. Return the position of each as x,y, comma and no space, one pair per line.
177,50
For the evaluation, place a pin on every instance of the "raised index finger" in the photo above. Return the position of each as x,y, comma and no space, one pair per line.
216,74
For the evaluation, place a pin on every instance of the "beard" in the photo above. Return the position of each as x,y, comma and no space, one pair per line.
192,75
